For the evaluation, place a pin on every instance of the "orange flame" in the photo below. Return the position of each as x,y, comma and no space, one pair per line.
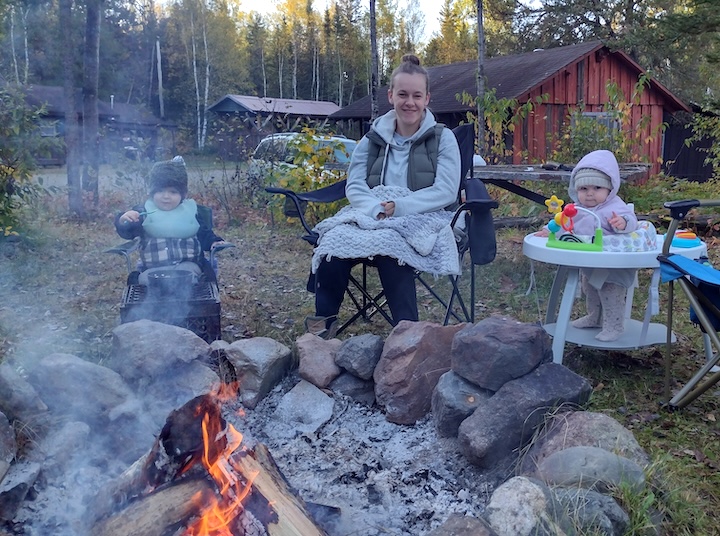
217,517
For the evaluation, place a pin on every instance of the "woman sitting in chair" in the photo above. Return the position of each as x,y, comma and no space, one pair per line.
405,149
174,230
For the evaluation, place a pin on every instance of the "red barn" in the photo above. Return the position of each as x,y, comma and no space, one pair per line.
569,76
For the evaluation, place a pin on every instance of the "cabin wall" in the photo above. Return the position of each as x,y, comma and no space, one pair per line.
584,83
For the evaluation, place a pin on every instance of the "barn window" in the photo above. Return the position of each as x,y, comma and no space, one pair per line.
48,129
608,120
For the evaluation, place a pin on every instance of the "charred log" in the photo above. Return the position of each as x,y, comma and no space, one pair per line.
170,487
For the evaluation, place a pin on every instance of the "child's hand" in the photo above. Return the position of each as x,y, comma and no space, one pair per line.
617,222
131,216
543,232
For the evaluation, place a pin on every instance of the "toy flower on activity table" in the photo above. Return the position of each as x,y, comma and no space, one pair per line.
554,204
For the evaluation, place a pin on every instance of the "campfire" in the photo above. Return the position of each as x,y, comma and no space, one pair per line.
199,480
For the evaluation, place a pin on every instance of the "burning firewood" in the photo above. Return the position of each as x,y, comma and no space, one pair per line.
198,481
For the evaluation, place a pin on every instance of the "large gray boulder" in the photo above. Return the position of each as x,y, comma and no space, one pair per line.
260,363
359,355
582,428
18,399
453,401
145,351
526,507
591,468
499,349
413,359
508,419
593,512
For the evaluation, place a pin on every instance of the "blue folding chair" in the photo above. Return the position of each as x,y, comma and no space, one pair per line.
700,282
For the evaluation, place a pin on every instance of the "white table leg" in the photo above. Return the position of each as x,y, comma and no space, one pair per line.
654,282
563,318
560,277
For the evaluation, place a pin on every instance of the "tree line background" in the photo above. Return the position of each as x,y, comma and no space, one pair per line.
209,48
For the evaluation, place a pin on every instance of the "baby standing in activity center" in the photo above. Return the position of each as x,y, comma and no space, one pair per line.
594,185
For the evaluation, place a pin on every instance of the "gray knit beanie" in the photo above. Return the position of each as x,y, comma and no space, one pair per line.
592,177
171,173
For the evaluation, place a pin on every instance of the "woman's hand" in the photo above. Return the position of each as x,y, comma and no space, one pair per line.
389,209
131,216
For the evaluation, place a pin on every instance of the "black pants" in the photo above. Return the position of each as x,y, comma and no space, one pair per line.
398,282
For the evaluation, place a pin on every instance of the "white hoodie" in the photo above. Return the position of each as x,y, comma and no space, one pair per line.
442,193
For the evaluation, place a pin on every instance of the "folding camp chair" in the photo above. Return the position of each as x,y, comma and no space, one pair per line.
478,238
701,284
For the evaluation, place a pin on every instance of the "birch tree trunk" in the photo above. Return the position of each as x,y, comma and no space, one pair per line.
295,61
72,127
281,65
160,79
195,77
25,44
206,95
374,107
341,79
12,44
91,130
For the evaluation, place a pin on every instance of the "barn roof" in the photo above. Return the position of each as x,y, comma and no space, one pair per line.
269,105
512,77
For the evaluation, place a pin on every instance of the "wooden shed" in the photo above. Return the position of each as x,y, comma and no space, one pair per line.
125,128
241,121
569,76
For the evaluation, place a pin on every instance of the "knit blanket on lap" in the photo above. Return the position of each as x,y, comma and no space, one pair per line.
424,241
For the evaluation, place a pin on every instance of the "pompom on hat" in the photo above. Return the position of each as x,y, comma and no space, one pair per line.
169,174
592,177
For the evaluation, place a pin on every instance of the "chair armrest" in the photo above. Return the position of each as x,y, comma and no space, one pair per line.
126,249
217,249
327,194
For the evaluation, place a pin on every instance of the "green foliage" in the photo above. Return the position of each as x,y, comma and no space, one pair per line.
502,116
309,173
20,143
582,133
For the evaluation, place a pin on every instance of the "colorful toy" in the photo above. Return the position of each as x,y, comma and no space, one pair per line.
563,220
685,239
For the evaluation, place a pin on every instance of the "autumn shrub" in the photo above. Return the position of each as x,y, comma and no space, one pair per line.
20,146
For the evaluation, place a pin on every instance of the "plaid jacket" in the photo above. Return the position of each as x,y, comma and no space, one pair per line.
157,252
174,252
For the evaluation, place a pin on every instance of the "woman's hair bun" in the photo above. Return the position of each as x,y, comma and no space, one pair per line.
411,58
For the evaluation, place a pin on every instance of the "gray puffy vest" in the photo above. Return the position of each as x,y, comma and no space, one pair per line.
422,165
